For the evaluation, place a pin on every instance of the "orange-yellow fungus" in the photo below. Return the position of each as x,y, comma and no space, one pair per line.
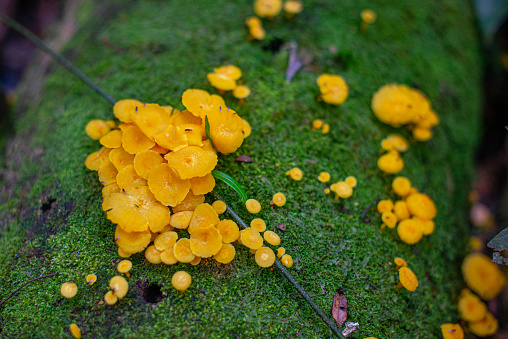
120,158
107,191
422,134
401,210
204,215
131,242
181,281
96,129
195,261
127,177
173,138
69,289
389,219
485,327
317,124
334,89
219,206
368,16
119,286
112,140
408,279
265,257
107,172
202,185
124,266
390,162
247,129
351,181
326,129
400,262
153,255
185,117
165,240
257,32
151,119
280,252
241,92
287,260
91,279
230,70
267,8
253,21
123,254
135,141
251,238
200,102
399,143
226,129
401,186
190,203
253,206
394,105
272,238
181,220
145,161
471,308
75,331
324,177
428,226
226,254
258,224
182,251
279,199
168,257
124,108
110,298
343,190
295,174
192,161
221,81
229,230
292,7
385,206
165,183
205,242
482,275
94,161
452,331
421,205
409,231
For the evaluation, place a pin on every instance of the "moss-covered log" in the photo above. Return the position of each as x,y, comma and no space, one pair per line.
153,51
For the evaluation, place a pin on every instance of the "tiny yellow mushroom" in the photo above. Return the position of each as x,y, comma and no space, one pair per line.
265,257
279,199
75,331
181,281
253,206
287,260
124,266
69,289
90,279
110,298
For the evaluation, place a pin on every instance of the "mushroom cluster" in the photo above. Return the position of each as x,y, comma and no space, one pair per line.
225,78
398,105
407,278
414,212
474,311
157,158
334,89
320,124
342,189
255,26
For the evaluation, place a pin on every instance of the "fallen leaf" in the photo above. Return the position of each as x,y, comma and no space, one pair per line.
339,308
350,328
243,158
281,227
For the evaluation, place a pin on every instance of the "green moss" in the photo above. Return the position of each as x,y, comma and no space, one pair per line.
153,51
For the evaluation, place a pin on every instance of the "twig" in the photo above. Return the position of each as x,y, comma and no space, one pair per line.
28,282
365,211
63,61
294,63
289,277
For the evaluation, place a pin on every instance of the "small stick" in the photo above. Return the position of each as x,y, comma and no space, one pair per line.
365,211
288,275
28,282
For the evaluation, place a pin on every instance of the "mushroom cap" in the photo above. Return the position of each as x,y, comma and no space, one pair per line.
119,286
205,242
182,251
422,133
181,280
251,238
265,257
107,191
253,21
124,266
385,206
96,129
293,6
185,117
272,238
229,230
90,279
226,254
200,102
94,161
280,252
241,92
257,32
401,186
219,206
110,298
131,242
202,185
390,162
173,138
482,275
124,108
75,331
151,119
112,139
258,224
120,158
351,181
253,206
145,161
343,190
168,257
368,16
107,172
204,216
401,210
221,81
165,240
135,141
334,90
400,262
279,199
167,186
230,70
394,105
485,327
452,331
389,219
123,254
247,129
421,205
127,177
428,226
192,161
409,231
324,177
190,202
226,129
295,174
181,220
69,289
287,260
398,142
267,8
408,279
153,255
471,308
326,129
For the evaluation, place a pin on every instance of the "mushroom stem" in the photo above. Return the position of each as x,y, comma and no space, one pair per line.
399,285
127,274
364,26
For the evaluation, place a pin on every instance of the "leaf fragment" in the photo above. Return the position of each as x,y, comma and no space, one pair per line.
339,308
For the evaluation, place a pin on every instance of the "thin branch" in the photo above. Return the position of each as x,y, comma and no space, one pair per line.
28,282
289,277
62,60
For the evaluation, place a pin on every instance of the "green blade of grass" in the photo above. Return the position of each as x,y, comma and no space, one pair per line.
231,183
207,131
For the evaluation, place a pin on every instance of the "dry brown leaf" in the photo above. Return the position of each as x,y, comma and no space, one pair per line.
339,308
